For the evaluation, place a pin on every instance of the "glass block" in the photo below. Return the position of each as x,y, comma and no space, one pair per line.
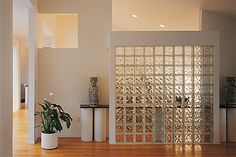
178,99
159,89
159,99
208,80
179,70
188,138
129,60
208,50
119,110
129,119
208,60
169,128
139,89
159,70
129,100
139,60
178,50
149,99
139,128
120,61
129,128
129,110
178,80
168,60
188,128
159,50
178,118
188,80
169,50
139,119
119,138
119,119
129,51
208,118
169,119
149,80
208,110
198,119
129,138
139,79
119,80
198,70
169,80
169,138
169,70
208,89
208,70
198,80
139,99
139,138
188,99
208,128
119,70
120,51
149,61
178,90
139,51
129,80
159,60
149,128
119,89
188,60
179,129
188,89
129,70
149,118
139,110
159,129
119,128
159,112
198,50
119,99
159,79
169,111
169,99
139,70
208,138
188,70
149,89
148,110
149,138
159,138
129,89
178,139
198,139
169,89
188,50
188,118
178,60
198,99
198,60
149,70
148,51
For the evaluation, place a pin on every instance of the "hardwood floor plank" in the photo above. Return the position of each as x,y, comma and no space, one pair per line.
74,147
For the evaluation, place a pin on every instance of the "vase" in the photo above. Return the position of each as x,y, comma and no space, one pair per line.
93,91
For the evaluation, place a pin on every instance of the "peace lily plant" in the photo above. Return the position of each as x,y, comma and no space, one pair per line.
52,116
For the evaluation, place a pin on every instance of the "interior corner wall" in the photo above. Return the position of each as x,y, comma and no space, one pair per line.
66,71
227,29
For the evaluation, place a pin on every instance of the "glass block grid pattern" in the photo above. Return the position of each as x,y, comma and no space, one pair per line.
164,94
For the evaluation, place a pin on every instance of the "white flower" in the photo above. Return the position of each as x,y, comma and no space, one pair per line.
51,94
44,99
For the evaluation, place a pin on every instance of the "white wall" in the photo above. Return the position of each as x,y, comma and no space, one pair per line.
66,72
6,78
227,29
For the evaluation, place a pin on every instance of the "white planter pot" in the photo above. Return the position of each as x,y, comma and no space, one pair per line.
49,141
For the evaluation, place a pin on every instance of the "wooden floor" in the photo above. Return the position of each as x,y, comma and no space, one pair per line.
74,147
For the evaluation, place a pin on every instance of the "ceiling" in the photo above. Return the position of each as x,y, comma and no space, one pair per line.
174,14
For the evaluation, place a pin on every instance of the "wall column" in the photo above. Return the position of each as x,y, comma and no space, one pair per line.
6,78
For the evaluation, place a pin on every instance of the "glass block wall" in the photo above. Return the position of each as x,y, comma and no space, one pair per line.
164,94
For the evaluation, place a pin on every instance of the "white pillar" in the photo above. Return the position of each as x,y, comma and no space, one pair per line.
6,93
100,124
86,124
231,124
222,124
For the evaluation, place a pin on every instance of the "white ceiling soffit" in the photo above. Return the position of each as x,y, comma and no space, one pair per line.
20,18
173,14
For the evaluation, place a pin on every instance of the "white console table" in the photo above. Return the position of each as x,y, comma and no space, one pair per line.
93,122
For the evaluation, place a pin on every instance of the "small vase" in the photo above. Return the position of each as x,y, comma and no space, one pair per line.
93,91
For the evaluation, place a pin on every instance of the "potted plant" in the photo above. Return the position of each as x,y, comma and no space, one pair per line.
52,116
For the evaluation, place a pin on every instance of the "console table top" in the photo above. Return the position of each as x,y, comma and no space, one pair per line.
94,106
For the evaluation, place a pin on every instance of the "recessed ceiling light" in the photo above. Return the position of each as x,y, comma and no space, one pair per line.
135,16
162,26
